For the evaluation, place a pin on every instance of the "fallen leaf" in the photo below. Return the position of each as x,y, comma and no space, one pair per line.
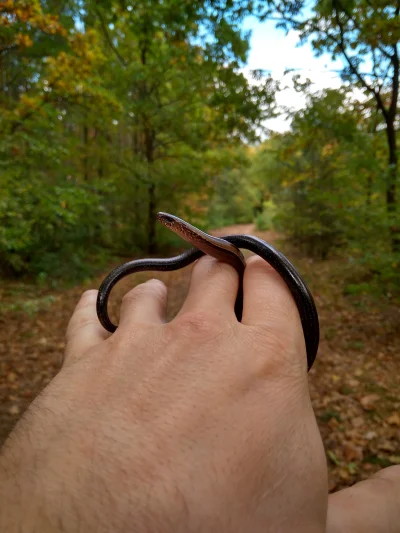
357,421
333,458
11,377
353,383
333,423
394,419
14,410
352,468
387,446
352,452
367,466
368,402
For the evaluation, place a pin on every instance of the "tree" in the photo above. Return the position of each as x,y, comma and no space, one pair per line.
366,35
46,69
182,89
319,176
111,110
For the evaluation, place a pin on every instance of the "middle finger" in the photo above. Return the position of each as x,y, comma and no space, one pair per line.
213,286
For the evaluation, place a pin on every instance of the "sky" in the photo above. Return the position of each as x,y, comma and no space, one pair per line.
274,51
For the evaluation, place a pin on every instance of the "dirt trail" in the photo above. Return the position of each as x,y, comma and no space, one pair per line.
355,384
243,229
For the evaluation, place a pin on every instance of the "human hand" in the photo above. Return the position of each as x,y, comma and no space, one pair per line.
200,424
371,506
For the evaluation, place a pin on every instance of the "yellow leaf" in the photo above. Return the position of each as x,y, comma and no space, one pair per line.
23,40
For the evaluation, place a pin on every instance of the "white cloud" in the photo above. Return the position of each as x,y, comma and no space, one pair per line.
275,52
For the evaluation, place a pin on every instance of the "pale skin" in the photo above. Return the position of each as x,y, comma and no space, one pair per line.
199,425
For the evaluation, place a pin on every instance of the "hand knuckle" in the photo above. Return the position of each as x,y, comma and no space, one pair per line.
78,325
274,350
199,323
133,294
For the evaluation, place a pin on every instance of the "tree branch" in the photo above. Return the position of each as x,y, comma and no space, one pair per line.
395,84
340,42
109,40
353,69
19,122
338,4
5,49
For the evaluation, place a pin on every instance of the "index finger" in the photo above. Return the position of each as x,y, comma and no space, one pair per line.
84,329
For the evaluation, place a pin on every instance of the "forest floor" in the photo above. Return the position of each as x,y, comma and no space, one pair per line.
355,382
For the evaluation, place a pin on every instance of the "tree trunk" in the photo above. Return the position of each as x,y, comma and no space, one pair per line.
85,152
391,185
374,127
152,220
152,212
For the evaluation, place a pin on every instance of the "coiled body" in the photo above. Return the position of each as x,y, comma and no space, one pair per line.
226,249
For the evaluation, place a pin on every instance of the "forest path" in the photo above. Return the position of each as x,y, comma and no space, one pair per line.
355,382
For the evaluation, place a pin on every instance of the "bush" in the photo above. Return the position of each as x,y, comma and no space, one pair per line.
265,221
47,229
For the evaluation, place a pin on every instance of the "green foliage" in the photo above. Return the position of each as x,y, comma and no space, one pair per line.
365,34
30,306
43,227
327,177
232,192
266,219
111,112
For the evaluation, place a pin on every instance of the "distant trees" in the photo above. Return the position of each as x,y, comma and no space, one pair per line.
366,35
111,110
327,180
